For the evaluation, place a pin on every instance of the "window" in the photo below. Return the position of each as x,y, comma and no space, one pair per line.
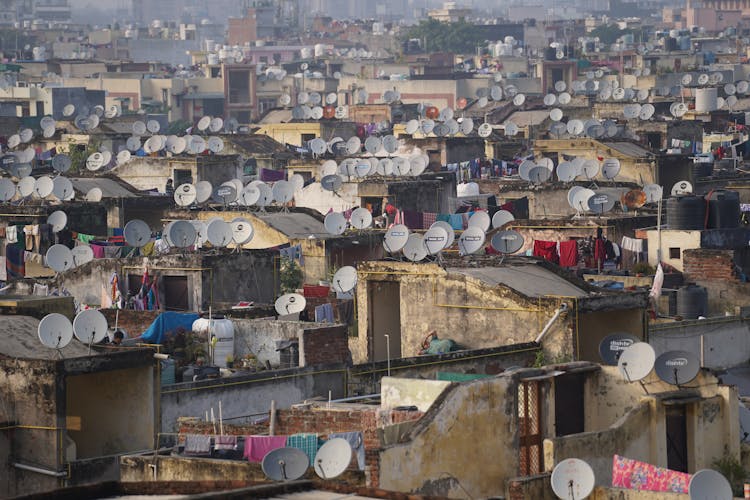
674,253
307,137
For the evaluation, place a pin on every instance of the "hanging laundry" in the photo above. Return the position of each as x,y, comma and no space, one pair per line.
357,443
546,249
568,253
305,442
14,262
197,444
225,442
428,219
11,234
412,219
256,447
98,251
324,313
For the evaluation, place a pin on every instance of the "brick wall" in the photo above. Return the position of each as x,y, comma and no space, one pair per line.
325,346
707,264
133,322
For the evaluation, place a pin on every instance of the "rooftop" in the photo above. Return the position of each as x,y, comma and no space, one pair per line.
20,340
110,188
295,225
529,279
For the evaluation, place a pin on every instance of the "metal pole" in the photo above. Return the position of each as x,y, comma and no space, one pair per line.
388,352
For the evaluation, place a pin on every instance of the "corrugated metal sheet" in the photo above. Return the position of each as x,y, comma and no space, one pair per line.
629,149
295,225
530,280
109,187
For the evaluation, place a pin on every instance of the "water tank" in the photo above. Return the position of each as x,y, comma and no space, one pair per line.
223,330
723,209
692,301
705,100
670,44
168,371
702,169
505,49
674,33
260,43
509,40
684,42
628,38
550,54
686,212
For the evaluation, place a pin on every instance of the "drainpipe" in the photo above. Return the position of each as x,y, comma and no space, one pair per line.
543,333
39,470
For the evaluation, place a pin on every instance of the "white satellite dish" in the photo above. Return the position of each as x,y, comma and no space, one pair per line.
43,187
412,126
26,135
249,195
182,234
653,192
501,218
566,172
361,218
481,220
519,99
185,194
333,458
417,165
290,303
524,168
581,199
90,326
564,98
636,361
215,144
82,254
204,123
95,161
47,122
345,279
708,484
94,195
7,189
353,145
647,111
373,144
467,126
197,145
590,169
55,331
59,258
26,186
139,128
415,249
560,86
484,130
219,233
390,144
335,223
283,192
575,127
572,479
682,187
539,175
610,168
471,241
242,230
550,100
216,125
556,114
153,126
203,191
133,143
395,238
137,233
427,126
401,166
511,129
285,464
436,239
68,110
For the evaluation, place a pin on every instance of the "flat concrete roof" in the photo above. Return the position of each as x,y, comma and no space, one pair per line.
528,279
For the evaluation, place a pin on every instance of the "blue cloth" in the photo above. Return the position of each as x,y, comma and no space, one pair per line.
456,222
305,442
166,322
357,443
324,313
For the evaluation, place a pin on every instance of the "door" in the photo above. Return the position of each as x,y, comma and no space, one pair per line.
385,319
677,453
530,428
175,293
569,404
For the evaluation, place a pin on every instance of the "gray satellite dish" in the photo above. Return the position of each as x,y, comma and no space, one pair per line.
62,188
539,175
572,479
242,231
203,191
353,145
448,231
137,233
677,367
283,192
373,144
345,279
133,143
471,241
290,303
331,182
401,166
507,242
94,195
82,254
182,234
285,464
58,220
249,195
224,194
215,144
653,192
636,361
610,168
481,220
390,144
139,128
266,195
217,124
601,203
611,346
395,238
318,146
59,258
335,223
361,218
26,186
501,218
7,161
219,233
61,163
467,126
412,126
123,157
435,239
566,172
185,194
90,326
590,169
707,484
153,126
333,458
415,249
43,187
55,331
7,190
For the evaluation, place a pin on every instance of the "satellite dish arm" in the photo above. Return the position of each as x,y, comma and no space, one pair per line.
545,330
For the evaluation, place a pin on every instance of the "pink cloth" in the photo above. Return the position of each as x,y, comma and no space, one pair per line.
98,251
256,447
634,475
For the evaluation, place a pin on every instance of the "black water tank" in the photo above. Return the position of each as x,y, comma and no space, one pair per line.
702,170
692,301
723,209
686,212
550,54
670,44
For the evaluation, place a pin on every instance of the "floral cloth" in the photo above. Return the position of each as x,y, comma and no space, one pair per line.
634,475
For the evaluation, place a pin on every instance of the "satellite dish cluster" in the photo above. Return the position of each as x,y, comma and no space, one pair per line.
234,193
56,331
315,106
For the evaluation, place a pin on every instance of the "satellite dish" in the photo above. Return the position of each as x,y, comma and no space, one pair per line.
633,199
481,220
511,129
653,192
556,114
197,145
636,361
467,126
435,239
185,194
283,191
178,145
390,144
575,127
331,182
572,479
557,129
427,126
68,110
686,79
417,165
266,195
95,161
642,94
139,128
55,331
7,189
612,346
519,99
580,198
524,168
58,220
59,258
137,233
216,125
482,102
82,254
353,145
215,144
610,168
601,203
550,99
507,242
90,326
133,143
219,233
539,175
395,238
43,187
484,130
412,126
682,187
333,458
224,194
47,122
566,172
401,166
153,126
743,86
647,111
707,484
373,144
415,249
242,231
345,279
290,303
203,191
26,186
335,223
496,93
560,86
26,135
249,195
677,367
285,464
589,169
204,123
501,218
182,234
564,98
471,240
361,218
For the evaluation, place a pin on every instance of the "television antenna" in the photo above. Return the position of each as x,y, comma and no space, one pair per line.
285,464
43,187
290,303
601,203
345,279
55,331
333,458
677,367
572,479
90,327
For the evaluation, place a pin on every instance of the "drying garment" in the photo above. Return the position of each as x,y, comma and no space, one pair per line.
568,253
225,442
324,314
357,443
546,249
412,219
15,266
641,476
197,444
305,442
11,234
600,252
257,447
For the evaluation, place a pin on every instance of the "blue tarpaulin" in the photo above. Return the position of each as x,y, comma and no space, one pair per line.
166,322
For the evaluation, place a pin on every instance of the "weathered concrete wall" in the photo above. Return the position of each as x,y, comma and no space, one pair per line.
106,403
152,173
594,326
445,440
141,468
410,392
315,197
246,396
249,276
724,297
725,341
683,240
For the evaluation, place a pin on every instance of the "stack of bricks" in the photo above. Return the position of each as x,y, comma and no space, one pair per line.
329,345
705,264
191,425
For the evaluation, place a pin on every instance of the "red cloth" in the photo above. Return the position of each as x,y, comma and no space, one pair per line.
315,291
600,253
635,475
546,249
568,253
256,447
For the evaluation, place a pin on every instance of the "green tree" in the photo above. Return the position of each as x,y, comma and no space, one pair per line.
608,33
459,37
291,275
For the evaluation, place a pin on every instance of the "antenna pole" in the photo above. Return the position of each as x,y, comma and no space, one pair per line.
388,352
221,420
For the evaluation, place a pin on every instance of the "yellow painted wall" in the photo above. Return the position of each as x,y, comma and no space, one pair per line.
684,240
289,133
